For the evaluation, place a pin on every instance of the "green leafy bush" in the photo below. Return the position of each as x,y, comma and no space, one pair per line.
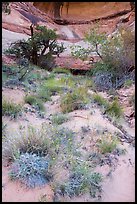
116,53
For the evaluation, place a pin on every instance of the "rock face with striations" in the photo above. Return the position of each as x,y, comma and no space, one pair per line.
83,11
70,19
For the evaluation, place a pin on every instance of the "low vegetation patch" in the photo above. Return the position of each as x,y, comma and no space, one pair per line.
59,118
114,109
52,85
11,109
81,181
107,143
74,100
100,100
34,100
30,169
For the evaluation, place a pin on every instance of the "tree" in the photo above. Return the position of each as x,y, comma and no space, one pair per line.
39,48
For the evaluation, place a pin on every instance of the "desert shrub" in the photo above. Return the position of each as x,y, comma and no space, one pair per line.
114,109
74,100
34,100
60,70
30,169
107,143
39,48
117,55
11,109
120,52
59,118
81,180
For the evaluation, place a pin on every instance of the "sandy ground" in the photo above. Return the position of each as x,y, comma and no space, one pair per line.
119,187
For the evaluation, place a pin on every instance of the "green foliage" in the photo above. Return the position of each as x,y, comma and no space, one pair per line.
114,109
107,143
59,118
80,52
74,100
44,95
34,100
94,38
52,85
100,100
117,54
35,48
11,109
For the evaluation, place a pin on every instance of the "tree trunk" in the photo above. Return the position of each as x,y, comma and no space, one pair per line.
34,49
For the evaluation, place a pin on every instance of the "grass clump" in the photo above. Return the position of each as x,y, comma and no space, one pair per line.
114,109
100,100
59,118
29,140
52,85
74,100
30,169
107,143
34,100
11,109
44,95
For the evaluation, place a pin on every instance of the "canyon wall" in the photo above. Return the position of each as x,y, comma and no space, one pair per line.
80,11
